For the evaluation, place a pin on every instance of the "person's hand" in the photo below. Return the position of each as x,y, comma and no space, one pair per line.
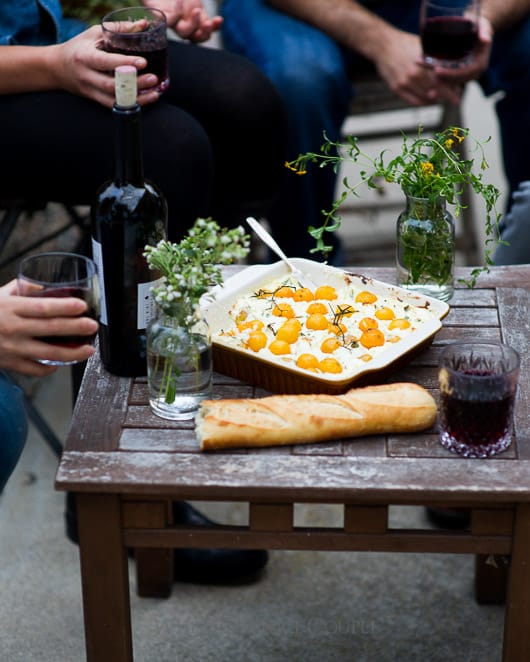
399,62
478,63
83,68
188,18
24,319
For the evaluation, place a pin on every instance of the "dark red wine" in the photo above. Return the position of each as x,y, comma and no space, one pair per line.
128,213
476,423
80,293
156,62
448,37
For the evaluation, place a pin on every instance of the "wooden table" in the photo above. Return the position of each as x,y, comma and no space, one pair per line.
126,465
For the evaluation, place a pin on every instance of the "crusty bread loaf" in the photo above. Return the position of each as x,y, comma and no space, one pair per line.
299,419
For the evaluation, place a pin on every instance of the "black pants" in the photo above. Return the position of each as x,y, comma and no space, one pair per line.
214,142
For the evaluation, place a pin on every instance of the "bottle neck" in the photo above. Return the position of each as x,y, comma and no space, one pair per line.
128,158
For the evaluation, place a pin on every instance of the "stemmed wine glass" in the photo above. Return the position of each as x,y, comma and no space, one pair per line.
449,31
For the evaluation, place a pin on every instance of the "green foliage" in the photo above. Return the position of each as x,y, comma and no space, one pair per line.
90,11
426,167
191,267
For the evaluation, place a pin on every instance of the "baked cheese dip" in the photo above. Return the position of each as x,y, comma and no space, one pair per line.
326,330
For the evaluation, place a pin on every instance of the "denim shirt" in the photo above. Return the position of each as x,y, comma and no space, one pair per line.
35,23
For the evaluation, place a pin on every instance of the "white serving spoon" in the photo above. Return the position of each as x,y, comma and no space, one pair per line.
262,233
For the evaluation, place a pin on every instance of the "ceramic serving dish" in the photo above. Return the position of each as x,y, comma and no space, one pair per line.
280,374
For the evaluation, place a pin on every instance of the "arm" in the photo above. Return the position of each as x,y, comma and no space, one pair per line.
24,319
78,66
396,54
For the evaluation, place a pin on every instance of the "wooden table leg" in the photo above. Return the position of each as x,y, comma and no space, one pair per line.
517,619
105,579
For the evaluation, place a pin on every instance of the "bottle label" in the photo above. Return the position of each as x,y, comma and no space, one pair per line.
146,307
97,256
146,303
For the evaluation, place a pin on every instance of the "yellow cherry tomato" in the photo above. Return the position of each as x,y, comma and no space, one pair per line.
372,338
366,297
283,310
317,322
329,345
317,307
384,314
326,292
337,329
288,332
256,340
280,347
255,325
303,294
345,310
285,292
399,323
330,365
307,362
368,323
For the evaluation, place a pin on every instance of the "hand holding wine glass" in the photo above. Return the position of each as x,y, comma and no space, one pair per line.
449,31
58,331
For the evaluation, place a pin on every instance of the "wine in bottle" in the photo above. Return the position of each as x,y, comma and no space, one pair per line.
128,213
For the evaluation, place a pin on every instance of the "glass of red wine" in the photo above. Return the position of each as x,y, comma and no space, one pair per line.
61,275
142,32
449,31
478,384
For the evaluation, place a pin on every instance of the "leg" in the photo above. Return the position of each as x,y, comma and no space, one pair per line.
13,427
517,619
105,579
515,230
509,72
244,119
309,71
72,162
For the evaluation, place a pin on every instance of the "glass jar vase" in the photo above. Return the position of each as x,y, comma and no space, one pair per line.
425,248
179,362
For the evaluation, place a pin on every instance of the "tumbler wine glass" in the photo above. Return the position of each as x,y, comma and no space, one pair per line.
61,275
449,31
139,31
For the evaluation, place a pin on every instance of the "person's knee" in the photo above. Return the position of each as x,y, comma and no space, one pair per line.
13,427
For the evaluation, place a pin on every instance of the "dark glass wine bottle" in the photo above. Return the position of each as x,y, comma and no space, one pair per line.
128,213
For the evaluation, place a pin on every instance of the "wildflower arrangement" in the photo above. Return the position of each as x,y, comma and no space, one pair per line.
191,267
188,270
426,167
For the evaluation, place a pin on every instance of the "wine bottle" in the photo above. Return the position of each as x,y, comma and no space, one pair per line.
128,213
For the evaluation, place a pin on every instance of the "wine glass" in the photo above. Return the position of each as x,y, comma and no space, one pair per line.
449,31
142,32
61,275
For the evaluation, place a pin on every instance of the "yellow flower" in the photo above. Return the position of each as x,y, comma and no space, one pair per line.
427,168
457,135
449,143
295,169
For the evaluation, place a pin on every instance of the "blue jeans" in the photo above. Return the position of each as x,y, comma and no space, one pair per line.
13,427
313,75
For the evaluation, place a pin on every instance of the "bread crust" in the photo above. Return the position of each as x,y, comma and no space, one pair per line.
298,419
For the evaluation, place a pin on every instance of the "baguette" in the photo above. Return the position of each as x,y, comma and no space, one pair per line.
299,419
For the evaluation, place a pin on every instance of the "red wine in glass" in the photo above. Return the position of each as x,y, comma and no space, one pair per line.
476,428
156,62
451,38
91,311
478,385
449,31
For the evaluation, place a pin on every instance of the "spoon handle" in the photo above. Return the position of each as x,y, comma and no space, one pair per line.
268,239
